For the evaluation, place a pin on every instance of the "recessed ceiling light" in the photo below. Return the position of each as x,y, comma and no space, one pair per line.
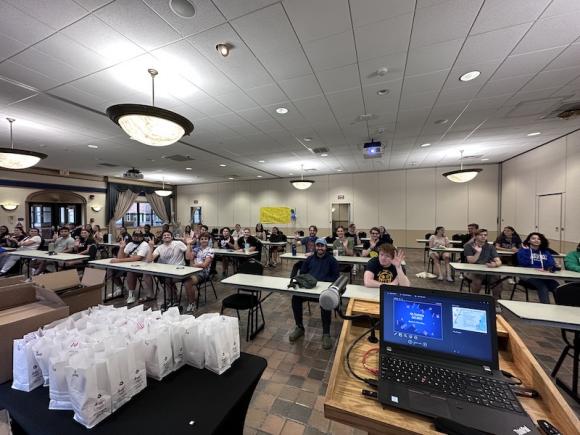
339,170
291,173
412,163
261,161
223,49
188,169
231,178
468,76
484,160
182,8
383,92
441,121
382,71
324,155
93,146
258,176
535,133
307,139
281,110
42,145
425,145
223,165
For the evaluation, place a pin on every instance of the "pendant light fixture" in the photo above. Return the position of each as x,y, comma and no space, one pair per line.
18,159
462,175
302,184
163,192
149,124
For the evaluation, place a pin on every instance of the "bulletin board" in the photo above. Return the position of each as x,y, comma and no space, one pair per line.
275,215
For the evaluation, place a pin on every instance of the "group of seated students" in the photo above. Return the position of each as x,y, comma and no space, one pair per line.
533,252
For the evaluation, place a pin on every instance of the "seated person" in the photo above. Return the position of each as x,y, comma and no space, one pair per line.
509,239
309,242
384,236
276,236
247,241
371,247
440,240
17,236
172,252
98,235
572,260
470,236
226,241
323,267
535,253
344,245
480,252
136,250
86,245
199,256
64,243
4,235
387,268
260,232
159,235
147,234
351,233
27,243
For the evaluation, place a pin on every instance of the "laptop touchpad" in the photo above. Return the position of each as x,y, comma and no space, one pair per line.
425,403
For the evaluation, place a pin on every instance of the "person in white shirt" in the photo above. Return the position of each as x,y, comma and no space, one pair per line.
136,250
440,240
200,256
28,243
172,252
63,244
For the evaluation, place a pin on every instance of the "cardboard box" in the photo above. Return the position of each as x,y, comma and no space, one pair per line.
24,309
12,280
76,293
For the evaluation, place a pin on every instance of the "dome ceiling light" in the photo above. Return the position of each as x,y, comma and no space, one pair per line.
12,158
462,175
302,184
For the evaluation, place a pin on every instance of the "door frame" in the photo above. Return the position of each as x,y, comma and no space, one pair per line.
561,224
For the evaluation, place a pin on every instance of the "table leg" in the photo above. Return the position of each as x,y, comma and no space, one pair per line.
573,391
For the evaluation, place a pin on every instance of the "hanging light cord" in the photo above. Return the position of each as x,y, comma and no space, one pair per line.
461,160
153,73
11,120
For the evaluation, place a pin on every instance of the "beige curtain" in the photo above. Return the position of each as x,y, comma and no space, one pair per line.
124,202
158,206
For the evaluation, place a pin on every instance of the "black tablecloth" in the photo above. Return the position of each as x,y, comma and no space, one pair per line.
216,403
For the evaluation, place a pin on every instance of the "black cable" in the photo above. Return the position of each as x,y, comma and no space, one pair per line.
369,381
516,380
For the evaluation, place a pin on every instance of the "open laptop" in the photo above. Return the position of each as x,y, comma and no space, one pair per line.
438,357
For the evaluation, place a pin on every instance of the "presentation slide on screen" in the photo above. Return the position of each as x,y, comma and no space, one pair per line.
469,319
419,319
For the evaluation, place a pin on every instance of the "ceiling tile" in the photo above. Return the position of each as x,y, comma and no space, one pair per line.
547,33
267,94
56,13
371,11
135,20
569,57
339,79
332,52
27,76
286,65
20,26
561,7
494,15
395,63
526,63
382,38
424,82
9,46
433,57
319,19
301,87
10,93
508,85
233,9
551,79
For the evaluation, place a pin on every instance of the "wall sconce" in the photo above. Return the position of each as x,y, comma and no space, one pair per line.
96,208
9,206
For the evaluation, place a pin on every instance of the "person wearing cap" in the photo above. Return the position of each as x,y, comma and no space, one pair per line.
136,250
324,267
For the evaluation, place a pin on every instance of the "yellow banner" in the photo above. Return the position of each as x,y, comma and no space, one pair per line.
275,215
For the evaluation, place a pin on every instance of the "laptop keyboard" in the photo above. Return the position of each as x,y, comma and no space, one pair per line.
475,389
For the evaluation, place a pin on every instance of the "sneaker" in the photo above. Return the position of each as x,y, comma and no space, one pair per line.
326,342
189,308
117,291
131,299
440,277
511,281
449,278
296,334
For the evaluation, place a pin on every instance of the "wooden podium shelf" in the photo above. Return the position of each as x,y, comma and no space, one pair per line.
344,402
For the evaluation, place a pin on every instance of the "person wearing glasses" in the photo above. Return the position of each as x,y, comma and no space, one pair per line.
371,247
136,250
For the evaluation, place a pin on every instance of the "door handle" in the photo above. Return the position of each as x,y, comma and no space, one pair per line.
556,228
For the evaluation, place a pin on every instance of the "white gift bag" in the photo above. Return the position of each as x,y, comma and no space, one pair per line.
57,386
194,343
217,357
177,331
110,379
91,404
26,372
43,348
233,328
136,366
158,352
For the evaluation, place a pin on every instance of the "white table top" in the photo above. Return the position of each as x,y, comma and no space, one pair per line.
33,253
232,253
166,270
507,252
8,249
342,259
453,250
279,284
516,271
268,243
557,316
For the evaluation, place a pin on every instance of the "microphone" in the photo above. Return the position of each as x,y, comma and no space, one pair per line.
330,298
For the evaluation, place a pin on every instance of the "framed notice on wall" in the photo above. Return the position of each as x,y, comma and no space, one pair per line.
275,215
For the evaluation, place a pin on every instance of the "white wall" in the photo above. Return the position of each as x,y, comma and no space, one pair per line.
408,202
551,168
19,195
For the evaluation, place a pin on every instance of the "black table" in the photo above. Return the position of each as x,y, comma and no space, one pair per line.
216,403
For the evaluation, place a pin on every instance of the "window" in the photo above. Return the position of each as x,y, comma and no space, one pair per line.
139,214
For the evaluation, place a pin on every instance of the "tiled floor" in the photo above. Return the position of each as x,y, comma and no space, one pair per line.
290,396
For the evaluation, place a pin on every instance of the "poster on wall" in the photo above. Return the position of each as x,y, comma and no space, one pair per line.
276,215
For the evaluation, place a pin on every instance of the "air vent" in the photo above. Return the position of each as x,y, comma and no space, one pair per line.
179,158
310,170
108,165
475,156
320,150
366,117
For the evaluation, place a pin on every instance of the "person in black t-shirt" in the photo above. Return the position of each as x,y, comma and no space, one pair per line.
309,242
384,236
86,245
248,239
371,247
387,268
226,241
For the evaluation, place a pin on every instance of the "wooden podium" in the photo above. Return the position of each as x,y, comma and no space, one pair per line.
344,402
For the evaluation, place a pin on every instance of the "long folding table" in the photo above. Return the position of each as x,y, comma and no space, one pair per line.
44,255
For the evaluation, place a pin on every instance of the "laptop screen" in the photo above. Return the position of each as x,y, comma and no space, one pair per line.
456,324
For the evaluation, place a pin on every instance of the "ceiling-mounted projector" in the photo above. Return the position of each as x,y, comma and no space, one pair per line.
373,150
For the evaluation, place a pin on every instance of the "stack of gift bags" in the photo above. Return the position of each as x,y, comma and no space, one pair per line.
95,361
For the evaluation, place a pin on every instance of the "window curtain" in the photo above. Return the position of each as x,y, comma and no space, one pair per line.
124,201
158,205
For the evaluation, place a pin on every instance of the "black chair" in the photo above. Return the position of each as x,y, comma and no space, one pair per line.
426,250
569,294
204,283
295,271
525,285
250,300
